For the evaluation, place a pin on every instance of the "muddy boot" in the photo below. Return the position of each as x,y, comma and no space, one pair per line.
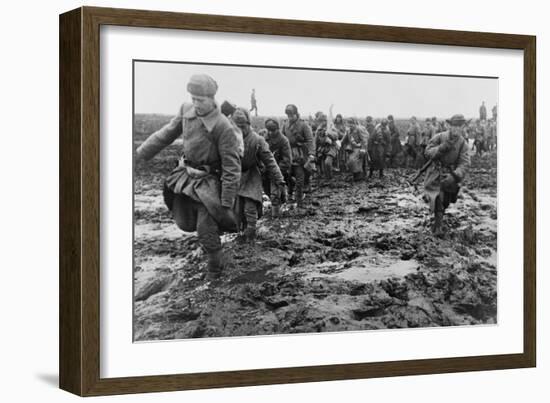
275,211
437,228
381,174
250,234
357,176
370,173
215,265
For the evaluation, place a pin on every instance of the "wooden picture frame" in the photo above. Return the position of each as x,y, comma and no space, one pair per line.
79,346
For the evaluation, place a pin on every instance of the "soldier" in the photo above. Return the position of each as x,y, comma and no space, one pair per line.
491,135
302,149
378,148
412,141
449,152
256,150
395,141
369,125
483,111
325,140
280,148
355,144
253,102
427,133
494,112
480,138
202,189
340,127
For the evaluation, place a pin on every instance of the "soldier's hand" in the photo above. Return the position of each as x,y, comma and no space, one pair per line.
447,181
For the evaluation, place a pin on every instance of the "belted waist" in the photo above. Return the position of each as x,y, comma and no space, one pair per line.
193,167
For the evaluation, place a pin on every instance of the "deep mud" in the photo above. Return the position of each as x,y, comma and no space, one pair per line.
362,257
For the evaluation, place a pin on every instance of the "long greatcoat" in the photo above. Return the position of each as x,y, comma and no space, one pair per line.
378,147
457,160
256,152
209,171
302,143
355,141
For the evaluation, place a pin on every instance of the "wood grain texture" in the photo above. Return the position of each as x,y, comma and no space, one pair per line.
80,200
70,274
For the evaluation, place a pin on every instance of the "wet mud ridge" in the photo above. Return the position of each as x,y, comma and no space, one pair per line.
360,257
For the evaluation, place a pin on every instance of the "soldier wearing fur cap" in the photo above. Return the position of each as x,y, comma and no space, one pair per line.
201,191
355,144
256,151
302,147
449,153
280,148
379,148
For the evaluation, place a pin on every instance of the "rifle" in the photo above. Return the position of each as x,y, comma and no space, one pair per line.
421,171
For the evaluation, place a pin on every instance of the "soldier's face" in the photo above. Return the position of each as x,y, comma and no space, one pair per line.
291,116
455,131
203,105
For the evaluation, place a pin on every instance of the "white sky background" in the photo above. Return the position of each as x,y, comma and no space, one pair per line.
161,88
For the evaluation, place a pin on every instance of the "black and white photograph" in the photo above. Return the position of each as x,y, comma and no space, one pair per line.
273,200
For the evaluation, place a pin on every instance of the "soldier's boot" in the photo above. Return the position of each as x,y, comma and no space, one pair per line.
328,171
250,234
357,176
437,228
275,211
216,264
381,173
370,173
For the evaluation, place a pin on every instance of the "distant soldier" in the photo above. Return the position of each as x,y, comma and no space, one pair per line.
395,141
412,142
482,112
427,133
253,103
201,191
256,151
491,135
495,112
340,127
369,125
378,148
480,138
325,141
280,148
449,151
302,149
355,144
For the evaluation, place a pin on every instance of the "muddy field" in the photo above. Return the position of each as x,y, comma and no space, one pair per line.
361,257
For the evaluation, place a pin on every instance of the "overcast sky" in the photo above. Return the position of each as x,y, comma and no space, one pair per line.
161,88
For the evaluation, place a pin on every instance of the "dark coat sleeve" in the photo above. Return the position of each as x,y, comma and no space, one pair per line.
285,161
309,141
228,149
161,138
433,146
265,156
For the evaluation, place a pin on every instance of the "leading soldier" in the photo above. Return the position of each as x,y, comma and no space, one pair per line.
449,152
202,189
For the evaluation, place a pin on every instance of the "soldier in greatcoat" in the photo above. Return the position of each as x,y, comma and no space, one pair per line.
395,141
201,191
302,147
355,143
378,148
412,142
327,151
256,152
449,152
280,148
